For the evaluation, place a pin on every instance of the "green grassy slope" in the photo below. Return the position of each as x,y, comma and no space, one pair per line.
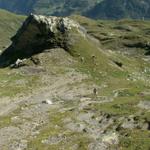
128,36
9,24
128,81
126,85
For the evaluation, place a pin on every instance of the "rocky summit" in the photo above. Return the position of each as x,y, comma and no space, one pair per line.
41,32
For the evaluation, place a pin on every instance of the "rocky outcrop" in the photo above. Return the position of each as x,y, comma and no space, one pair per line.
42,32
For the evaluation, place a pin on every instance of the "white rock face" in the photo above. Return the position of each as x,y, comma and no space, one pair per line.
53,22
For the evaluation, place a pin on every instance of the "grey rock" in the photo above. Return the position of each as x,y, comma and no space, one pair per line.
16,120
19,145
18,63
144,105
133,122
97,146
47,101
105,142
53,139
110,138
129,124
77,127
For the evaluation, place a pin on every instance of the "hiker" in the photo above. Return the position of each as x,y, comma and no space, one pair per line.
95,91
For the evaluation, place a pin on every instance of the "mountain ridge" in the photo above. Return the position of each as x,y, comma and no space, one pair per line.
99,9
117,9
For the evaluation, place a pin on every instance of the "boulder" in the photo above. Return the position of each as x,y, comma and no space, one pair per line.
43,32
47,101
18,63
39,33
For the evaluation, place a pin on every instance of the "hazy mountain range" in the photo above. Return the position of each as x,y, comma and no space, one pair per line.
103,9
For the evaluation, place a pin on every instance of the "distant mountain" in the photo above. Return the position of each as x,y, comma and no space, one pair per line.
48,7
99,9
18,6
63,7
117,9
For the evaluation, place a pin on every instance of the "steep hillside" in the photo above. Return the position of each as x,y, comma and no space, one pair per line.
63,87
9,23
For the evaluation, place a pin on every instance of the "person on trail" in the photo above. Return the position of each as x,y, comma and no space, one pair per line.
95,91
